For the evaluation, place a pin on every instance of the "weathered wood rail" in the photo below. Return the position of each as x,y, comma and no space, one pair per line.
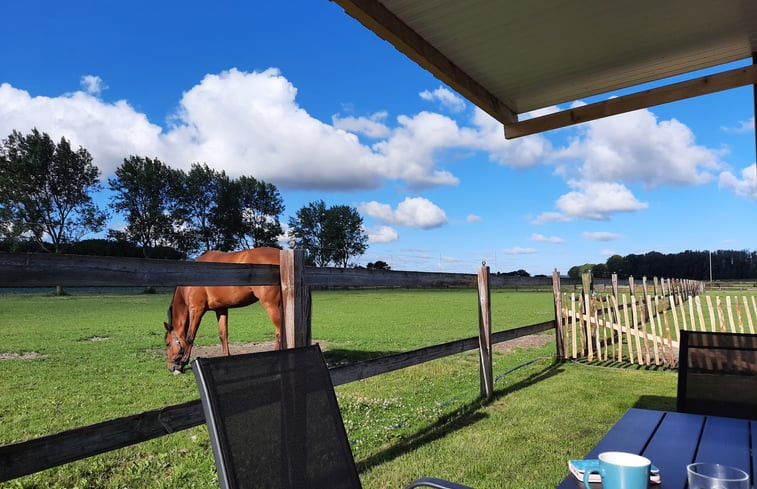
39,270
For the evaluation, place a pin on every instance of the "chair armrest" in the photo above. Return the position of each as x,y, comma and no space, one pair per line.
436,483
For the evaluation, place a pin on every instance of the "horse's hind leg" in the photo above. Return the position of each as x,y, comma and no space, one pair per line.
272,304
223,329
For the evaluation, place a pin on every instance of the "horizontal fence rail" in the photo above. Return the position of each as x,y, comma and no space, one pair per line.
28,457
51,270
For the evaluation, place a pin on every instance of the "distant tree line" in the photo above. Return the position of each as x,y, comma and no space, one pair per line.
46,204
696,265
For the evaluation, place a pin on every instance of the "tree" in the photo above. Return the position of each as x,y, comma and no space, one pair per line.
308,230
246,214
378,265
196,203
260,205
143,192
600,271
333,234
617,264
226,219
45,190
345,233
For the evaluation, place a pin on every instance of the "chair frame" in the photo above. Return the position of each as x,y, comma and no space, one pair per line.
714,341
211,410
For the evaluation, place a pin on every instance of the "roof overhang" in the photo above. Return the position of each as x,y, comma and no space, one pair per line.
511,57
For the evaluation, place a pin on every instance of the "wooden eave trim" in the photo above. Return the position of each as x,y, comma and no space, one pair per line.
640,100
373,15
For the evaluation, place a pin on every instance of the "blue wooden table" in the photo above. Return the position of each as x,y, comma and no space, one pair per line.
673,440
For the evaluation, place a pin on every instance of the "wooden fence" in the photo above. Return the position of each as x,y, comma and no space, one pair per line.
296,280
642,326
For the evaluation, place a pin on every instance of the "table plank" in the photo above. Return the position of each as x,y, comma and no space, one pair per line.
673,440
629,434
725,441
673,447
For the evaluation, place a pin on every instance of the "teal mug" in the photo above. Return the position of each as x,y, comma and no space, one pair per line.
620,470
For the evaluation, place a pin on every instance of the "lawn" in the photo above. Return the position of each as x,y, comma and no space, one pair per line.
98,357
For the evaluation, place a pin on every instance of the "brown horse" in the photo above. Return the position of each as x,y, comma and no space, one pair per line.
189,304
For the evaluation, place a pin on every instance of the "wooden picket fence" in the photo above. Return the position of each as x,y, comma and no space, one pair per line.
641,326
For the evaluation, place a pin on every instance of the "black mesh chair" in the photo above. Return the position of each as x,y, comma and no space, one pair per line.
717,374
274,422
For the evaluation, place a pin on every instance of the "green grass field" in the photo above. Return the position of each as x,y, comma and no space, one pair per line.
98,357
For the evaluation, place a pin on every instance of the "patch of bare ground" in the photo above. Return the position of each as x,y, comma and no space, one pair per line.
236,348
30,355
529,341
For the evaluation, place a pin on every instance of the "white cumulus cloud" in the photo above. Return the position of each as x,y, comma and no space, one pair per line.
636,147
550,216
382,234
246,123
92,84
540,238
601,236
745,186
445,97
519,153
741,128
598,200
517,250
109,131
473,218
409,154
372,126
414,212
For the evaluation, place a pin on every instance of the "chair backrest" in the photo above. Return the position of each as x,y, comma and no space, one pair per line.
274,421
717,374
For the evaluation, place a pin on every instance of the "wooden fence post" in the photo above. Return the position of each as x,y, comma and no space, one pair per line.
295,298
559,327
485,332
588,290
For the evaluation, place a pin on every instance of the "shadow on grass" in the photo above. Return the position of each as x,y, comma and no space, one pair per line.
462,417
336,357
621,365
662,403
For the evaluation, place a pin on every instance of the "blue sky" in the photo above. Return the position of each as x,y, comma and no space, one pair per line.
301,95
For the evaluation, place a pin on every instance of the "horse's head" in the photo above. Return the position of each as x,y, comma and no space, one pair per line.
177,348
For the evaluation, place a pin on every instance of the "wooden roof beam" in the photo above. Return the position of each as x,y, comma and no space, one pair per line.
640,100
373,15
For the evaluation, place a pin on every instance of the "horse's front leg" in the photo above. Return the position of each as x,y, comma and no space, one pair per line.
223,329
195,318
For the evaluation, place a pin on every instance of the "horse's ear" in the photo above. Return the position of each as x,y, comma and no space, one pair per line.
168,328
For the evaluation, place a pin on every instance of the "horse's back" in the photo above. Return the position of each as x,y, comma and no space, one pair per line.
225,296
263,256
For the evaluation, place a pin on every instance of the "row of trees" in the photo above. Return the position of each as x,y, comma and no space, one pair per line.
46,193
696,265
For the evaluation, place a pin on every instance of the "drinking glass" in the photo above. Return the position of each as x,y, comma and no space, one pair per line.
716,476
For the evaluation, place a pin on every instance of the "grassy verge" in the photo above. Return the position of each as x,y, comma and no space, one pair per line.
98,358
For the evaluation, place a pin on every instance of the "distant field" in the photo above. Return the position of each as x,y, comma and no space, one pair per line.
96,357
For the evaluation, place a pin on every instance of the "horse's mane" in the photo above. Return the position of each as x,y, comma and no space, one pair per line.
176,295
178,300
